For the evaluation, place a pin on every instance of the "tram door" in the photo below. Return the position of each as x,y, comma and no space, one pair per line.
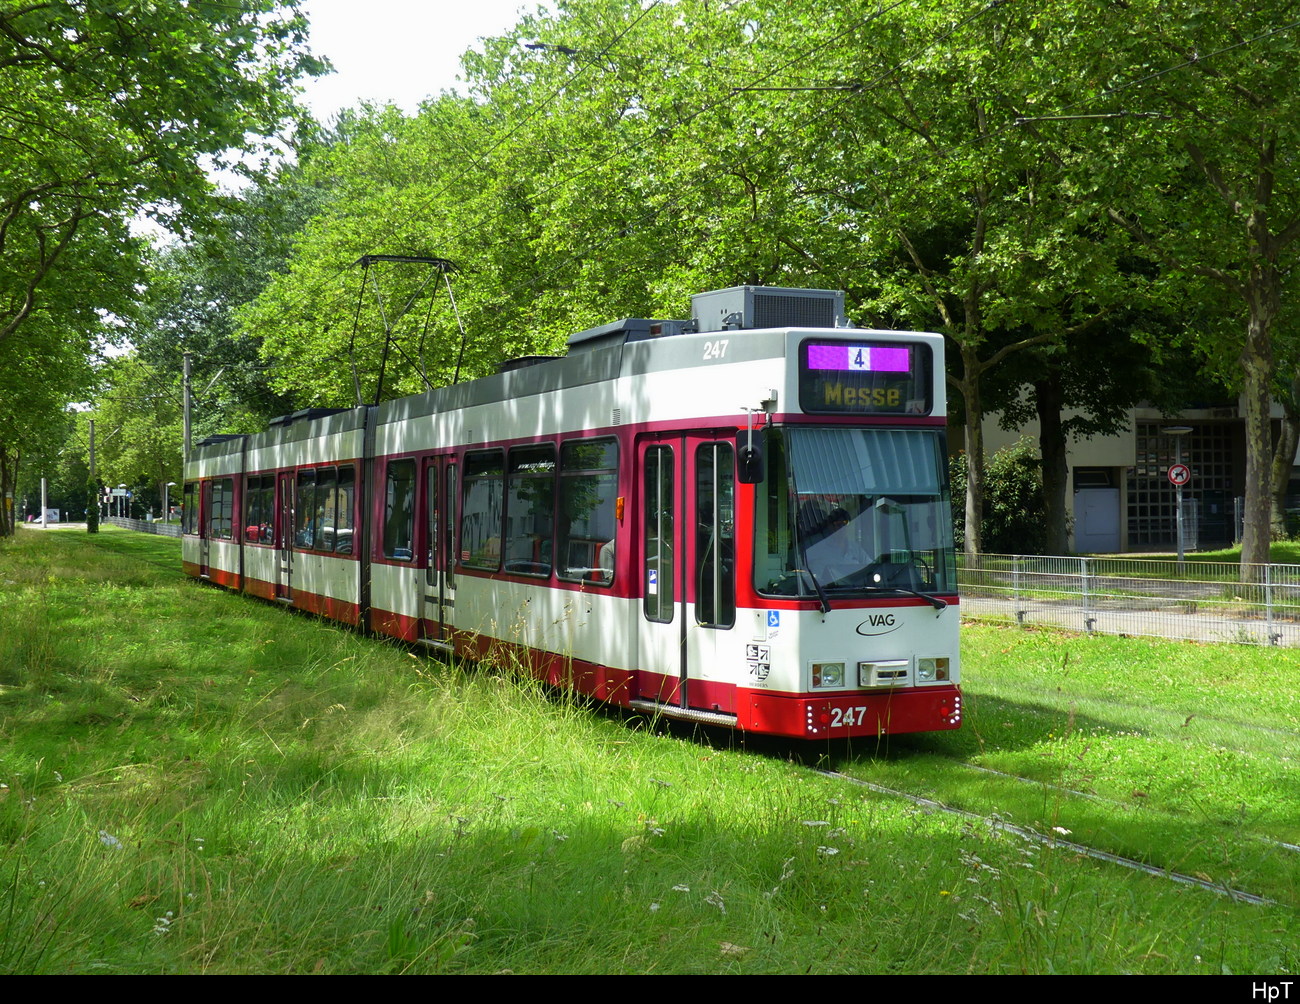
284,537
438,583
686,564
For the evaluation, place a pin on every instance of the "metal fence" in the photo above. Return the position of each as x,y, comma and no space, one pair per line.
1160,597
144,526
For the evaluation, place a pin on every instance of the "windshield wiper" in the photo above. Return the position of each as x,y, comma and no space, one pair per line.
934,601
821,593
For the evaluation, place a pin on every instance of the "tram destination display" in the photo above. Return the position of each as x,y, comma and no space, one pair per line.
865,378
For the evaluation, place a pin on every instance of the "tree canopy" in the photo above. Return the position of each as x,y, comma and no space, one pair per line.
1054,181
112,111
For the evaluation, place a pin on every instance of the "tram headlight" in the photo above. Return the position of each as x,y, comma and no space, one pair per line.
827,674
931,670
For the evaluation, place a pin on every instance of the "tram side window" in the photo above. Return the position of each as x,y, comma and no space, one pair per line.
221,518
481,512
190,508
530,510
345,519
322,531
588,490
305,518
259,515
660,583
715,528
399,511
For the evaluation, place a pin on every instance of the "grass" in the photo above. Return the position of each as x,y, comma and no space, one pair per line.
1280,552
199,783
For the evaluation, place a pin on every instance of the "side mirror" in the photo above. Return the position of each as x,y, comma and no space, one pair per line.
749,457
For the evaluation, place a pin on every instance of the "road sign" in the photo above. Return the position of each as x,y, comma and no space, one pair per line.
1179,475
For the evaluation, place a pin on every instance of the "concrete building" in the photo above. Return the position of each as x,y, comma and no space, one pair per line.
1119,495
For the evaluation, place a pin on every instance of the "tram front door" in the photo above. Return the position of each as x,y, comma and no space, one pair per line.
686,561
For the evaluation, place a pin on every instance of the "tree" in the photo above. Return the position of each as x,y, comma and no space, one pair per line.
1087,385
140,409
1221,120
196,287
39,374
111,108
110,111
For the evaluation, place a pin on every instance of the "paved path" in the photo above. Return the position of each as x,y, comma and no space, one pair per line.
1169,619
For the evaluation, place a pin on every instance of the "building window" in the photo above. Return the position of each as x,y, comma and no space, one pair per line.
1207,500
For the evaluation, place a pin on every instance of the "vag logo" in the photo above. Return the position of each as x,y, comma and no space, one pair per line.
877,624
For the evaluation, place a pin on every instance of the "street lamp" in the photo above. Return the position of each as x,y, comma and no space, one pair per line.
1179,476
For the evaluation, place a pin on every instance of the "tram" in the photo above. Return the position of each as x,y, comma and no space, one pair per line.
740,519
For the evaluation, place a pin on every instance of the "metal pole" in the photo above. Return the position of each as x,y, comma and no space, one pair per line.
185,370
1089,621
1273,636
1178,499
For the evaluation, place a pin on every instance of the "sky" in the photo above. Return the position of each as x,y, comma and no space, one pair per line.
397,50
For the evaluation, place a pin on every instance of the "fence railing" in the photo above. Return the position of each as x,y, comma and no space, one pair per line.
1160,597
144,526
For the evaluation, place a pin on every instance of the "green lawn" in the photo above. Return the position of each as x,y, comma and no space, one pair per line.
200,783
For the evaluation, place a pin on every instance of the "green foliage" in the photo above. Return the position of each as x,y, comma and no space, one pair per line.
1013,512
110,108
139,416
195,289
110,112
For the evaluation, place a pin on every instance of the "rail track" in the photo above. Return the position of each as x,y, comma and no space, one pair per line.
1055,840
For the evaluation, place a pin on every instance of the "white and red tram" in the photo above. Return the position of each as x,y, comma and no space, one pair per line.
742,519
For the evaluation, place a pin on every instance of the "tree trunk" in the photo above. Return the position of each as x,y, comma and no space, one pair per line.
1048,401
8,472
1264,297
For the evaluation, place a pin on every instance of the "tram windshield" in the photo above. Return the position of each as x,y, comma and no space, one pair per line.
851,512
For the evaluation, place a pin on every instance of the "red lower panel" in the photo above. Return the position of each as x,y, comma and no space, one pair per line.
223,578
601,682
798,716
850,715
703,695
394,624
260,589
327,606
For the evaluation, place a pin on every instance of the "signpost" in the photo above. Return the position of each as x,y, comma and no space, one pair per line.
1179,474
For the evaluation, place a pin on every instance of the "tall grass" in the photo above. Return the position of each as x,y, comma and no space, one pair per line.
198,783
